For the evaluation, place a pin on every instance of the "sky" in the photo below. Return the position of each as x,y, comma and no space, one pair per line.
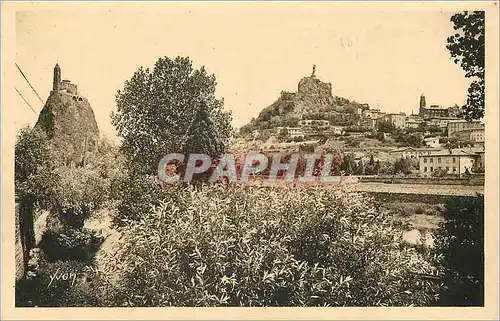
384,58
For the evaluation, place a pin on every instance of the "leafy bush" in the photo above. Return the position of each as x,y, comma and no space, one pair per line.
71,244
136,197
404,139
62,284
439,172
386,127
405,165
353,141
78,192
248,246
461,243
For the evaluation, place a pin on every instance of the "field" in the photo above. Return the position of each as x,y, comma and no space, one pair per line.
451,190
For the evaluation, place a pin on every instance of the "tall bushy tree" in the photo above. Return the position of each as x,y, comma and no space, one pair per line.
171,108
467,48
32,179
404,165
461,242
283,134
348,164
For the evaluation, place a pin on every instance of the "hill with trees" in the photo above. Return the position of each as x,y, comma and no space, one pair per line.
313,100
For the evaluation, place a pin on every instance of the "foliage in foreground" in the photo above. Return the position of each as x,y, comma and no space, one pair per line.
248,246
462,243
61,284
466,47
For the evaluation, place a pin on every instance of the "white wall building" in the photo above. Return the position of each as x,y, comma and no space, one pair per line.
398,120
412,152
337,130
432,142
455,162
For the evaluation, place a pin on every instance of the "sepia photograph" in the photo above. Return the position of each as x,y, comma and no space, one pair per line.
250,155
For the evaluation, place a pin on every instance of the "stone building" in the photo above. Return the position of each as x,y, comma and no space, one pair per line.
454,162
64,84
435,110
398,120
463,125
293,132
474,135
413,121
432,142
441,122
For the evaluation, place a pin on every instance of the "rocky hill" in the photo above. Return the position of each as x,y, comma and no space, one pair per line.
313,100
69,122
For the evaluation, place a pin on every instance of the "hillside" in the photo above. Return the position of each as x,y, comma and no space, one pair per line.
313,100
69,121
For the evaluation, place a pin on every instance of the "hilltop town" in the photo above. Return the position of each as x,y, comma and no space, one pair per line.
436,141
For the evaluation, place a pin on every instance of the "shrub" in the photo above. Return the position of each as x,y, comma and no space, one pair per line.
62,284
353,141
408,209
431,211
440,172
404,139
405,165
136,197
461,242
70,244
419,210
77,193
249,246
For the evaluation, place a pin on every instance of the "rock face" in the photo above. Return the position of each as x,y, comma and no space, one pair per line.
69,121
310,86
313,95
313,100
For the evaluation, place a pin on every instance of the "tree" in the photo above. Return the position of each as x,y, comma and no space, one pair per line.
348,165
283,134
386,127
467,48
439,172
370,167
408,140
460,248
32,178
376,168
73,195
360,168
298,139
372,160
404,165
171,108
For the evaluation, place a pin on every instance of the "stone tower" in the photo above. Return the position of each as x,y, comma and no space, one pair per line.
421,110
57,77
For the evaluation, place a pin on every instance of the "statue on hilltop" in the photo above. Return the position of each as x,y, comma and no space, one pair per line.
314,71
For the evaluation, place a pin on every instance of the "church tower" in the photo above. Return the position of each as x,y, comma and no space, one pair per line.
421,110
57,77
